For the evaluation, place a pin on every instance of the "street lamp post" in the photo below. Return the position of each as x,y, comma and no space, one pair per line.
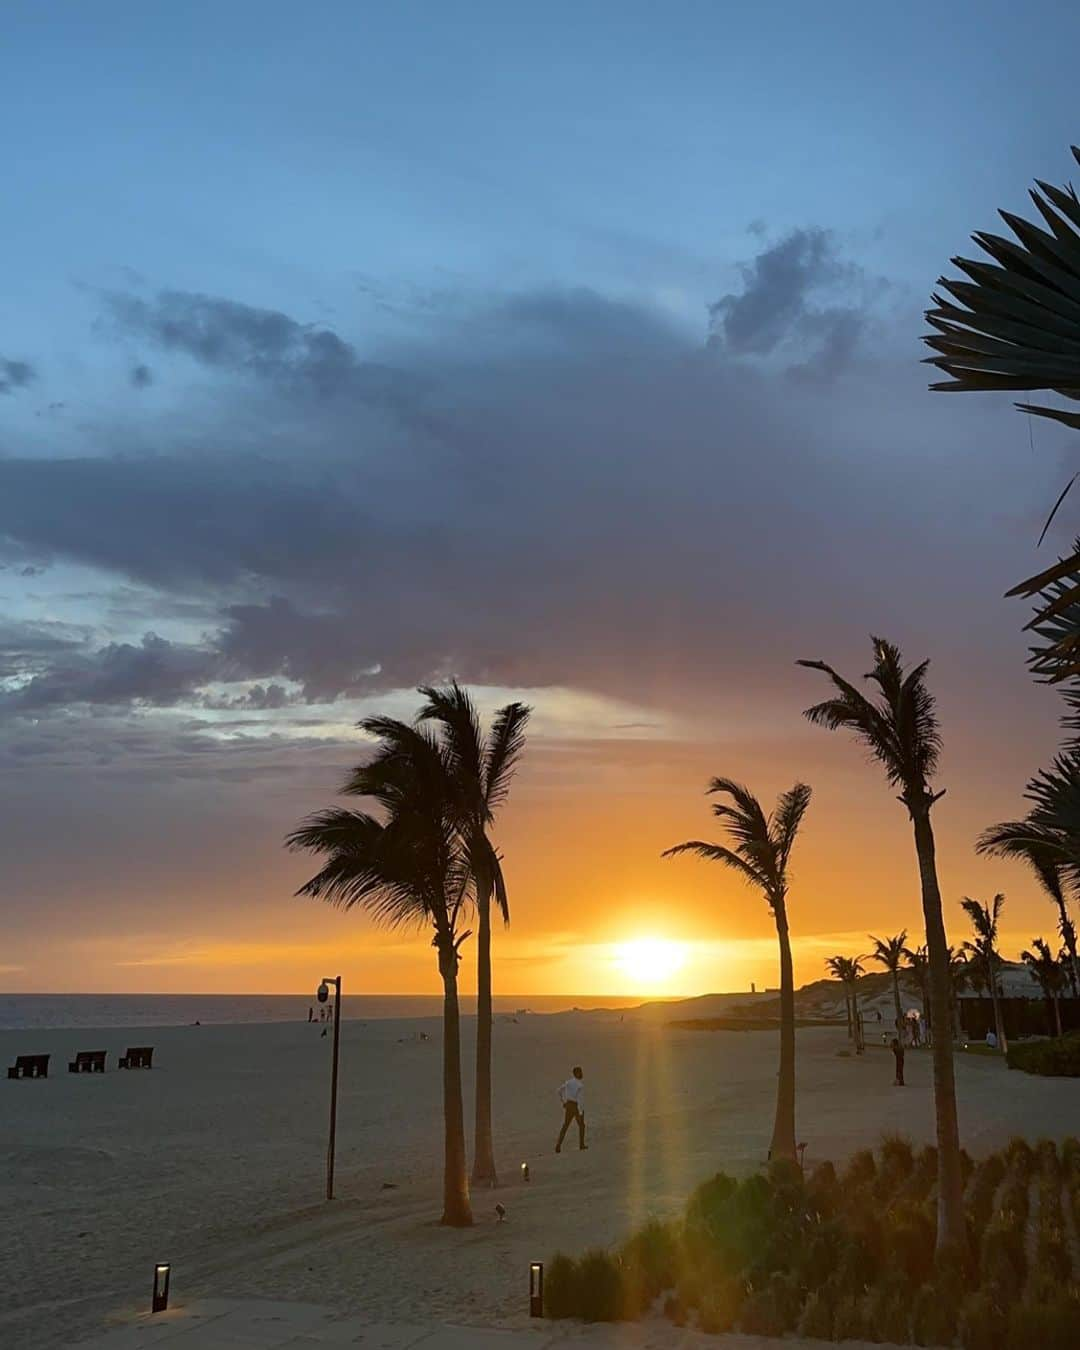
322,995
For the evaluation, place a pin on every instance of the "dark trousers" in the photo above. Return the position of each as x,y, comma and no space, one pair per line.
899,1070
571,1113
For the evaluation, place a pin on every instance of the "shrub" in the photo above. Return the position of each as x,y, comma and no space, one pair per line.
1059,1058
1070,1158
908,1243
933,1315
761,1315
562,1287
885,1312
1002,1262
1020,1156
985,1181
600,1292
819,1256
848,1318
861,1169
1049,1324
649,1259
896,1156
817,1315
720,1306
980,1324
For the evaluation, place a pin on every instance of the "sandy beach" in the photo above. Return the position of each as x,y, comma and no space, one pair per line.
215,1159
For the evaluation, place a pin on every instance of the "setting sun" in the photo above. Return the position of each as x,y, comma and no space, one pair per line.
650,961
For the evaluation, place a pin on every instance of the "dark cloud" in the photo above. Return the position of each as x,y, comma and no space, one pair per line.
155,672
141,377
608,507
779,307
15,375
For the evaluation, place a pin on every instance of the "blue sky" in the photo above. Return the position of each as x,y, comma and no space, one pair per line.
573,351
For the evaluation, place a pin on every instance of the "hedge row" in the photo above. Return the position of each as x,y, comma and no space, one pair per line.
1058,1058
851,1255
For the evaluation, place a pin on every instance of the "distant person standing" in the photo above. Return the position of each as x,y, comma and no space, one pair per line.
572,1096
898,1055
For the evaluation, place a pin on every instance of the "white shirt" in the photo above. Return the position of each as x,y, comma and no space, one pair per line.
573,1090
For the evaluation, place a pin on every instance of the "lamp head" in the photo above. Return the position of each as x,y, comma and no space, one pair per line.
323,992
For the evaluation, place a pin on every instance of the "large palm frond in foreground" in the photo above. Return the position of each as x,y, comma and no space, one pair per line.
1014,323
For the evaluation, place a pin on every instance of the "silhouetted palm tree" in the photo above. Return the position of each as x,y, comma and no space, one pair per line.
761,854
1047,971
889,952
900,728
1041,851
408,868
481,767
960,970
1016,325
984,920
837,966
918,968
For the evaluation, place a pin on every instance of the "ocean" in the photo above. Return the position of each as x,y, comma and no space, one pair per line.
19,1011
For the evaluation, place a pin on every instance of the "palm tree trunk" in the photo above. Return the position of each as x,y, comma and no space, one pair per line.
1057,1013
483,1173
456,1210
999,1024
783,1136
1070,944
856,1020
951,1228
896,1001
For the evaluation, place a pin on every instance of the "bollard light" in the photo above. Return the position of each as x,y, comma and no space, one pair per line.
161,1287
524,1171
536,1289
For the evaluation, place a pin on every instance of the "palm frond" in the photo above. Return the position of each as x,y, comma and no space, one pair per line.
785,821
717,853
505,745
1016,323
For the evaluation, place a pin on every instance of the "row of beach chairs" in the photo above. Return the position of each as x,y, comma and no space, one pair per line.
86,1061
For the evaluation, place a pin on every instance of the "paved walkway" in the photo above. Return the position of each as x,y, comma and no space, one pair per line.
261,1324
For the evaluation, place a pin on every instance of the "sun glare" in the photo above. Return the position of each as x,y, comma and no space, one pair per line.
650,962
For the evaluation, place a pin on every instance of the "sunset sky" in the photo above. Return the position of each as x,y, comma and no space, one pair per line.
573,352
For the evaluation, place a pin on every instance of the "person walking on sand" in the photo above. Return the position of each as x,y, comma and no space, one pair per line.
898,1055
572,1096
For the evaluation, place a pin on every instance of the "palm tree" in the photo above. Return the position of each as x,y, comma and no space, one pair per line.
960,971
409,868
1016,325
1025,840
1051,980
481,767
918,968
900,728
761,854
889,952
837,966
984,919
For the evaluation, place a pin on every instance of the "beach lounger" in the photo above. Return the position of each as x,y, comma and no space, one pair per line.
88,1061
30,1066
137,1057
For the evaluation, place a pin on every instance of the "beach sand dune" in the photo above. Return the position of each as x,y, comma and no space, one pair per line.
215,1159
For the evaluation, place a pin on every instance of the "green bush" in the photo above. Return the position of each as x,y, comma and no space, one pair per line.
600,1294
1070,1158
817,1315
896,1154
562,1287
933,1315
981,1325
760,1314
720,1306
985,1181
848,1319
908,1243
1002,1261
886,1312
1049,1324
1020,1156
1059,1058
650,1260
860,1170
